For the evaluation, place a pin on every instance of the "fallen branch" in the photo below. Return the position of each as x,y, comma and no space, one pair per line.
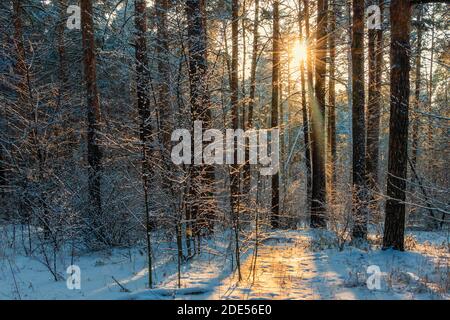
123,289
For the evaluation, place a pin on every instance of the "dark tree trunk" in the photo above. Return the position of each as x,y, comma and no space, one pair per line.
164,106
379,69
162,52
332,100
198,66
431,166
418,80
307,112
20,67
235,169
62,51
142,80
23,90
375,48
358,123
234,87
304,16
3,178
93,108
251,103
394,226
201,176
20,71
243,69
143,106
318,203
275,212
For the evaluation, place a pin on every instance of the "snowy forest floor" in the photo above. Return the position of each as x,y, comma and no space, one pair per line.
301,264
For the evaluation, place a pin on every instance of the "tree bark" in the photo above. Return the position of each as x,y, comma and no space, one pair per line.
20,71
234,100
162,53
235,169
306,130
251,102
20,67
394,226
200,110
93,106
417,87
62,51
375,48
143,106
431,165
358,123
318,201
275,205
332,100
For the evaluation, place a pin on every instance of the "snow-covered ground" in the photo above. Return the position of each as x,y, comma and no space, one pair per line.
301,264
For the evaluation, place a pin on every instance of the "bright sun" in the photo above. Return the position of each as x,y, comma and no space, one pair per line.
298,51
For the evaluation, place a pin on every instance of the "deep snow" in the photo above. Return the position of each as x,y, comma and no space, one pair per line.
301,264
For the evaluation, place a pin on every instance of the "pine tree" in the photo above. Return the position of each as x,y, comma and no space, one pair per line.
143,106
358,123
394,225
304,15
235,169
275,205
331,130
251,102
375,48
318,204
93,109
417,87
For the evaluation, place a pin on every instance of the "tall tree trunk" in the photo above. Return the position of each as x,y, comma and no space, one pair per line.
93,106
417,87
245,177
251,102
431,129
379,59
200,102
287,109
234,98
358,123
349,55
143,106
20,70
62,51
306,131
165,106
318,204
275,205
3,170
332,100
235,173
375,45
20,67
243,69
373,111
394,225
162,52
